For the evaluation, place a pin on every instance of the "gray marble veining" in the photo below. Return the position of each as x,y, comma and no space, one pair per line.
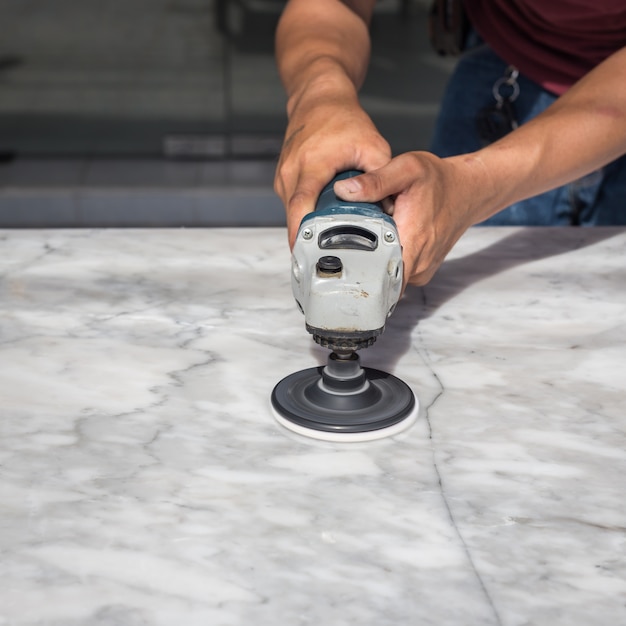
143,480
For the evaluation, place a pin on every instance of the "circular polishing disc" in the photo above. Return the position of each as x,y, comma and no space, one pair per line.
383,406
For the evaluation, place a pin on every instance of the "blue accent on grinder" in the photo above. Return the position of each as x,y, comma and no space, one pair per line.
329,204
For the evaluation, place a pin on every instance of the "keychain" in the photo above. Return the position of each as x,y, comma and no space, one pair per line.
496,120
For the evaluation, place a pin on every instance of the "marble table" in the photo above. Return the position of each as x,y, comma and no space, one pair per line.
144,481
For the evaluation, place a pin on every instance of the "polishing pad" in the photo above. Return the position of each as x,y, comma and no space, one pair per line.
344,402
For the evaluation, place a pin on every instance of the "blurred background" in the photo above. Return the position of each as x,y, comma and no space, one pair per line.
171,112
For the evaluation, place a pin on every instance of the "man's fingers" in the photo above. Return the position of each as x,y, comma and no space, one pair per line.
393,178
303,199
299,205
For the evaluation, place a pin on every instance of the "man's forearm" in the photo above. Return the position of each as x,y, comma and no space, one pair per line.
323,42
582,131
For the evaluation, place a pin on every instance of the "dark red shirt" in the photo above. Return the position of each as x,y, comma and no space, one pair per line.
553,42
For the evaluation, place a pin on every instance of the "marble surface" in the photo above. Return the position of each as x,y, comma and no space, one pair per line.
143,480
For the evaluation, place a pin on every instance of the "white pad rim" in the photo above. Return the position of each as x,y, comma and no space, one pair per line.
334,437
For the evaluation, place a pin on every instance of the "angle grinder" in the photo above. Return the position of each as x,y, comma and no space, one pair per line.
346,277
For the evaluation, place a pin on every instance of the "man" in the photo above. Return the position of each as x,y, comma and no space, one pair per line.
322,51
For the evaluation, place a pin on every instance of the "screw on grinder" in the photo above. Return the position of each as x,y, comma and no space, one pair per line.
346,279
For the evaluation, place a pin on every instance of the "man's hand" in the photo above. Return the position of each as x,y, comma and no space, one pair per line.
336,136
434,202
322,54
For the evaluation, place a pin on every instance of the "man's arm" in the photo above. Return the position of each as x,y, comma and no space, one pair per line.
325,39
436,200
322,53
582,131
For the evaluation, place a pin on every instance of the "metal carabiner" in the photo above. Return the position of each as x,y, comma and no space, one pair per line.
510,80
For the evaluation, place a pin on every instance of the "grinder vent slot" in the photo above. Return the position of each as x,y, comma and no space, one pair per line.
348,238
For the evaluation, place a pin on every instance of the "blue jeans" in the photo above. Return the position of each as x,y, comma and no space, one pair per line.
596,199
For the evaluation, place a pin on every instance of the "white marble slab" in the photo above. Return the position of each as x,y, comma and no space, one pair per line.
143,480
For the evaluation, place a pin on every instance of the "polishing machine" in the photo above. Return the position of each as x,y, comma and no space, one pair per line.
346,277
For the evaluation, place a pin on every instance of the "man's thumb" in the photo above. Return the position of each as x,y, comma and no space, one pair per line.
363,188
348,188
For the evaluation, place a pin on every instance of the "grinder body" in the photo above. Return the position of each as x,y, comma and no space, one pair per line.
346,270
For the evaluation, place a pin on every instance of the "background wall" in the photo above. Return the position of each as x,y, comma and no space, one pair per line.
171,112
